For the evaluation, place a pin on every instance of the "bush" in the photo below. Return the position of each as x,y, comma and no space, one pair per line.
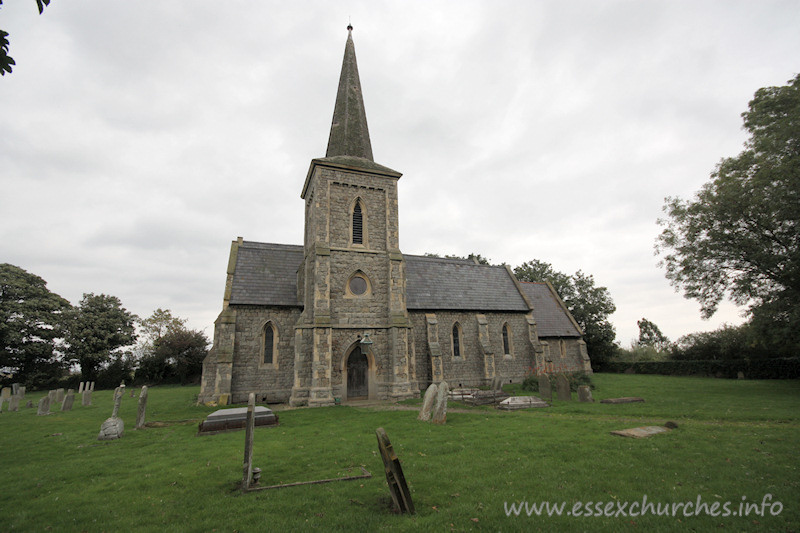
757,368
576,379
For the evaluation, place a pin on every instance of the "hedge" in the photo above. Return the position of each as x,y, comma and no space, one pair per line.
772,368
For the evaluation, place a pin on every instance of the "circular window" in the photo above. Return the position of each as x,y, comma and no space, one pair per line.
358,285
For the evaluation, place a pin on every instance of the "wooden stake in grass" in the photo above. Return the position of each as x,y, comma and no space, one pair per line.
247,466
394,474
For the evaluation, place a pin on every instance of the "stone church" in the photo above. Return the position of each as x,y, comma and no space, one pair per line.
347,315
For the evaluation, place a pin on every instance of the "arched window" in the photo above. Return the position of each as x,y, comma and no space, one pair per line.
270,344
456,340
358,224
506,339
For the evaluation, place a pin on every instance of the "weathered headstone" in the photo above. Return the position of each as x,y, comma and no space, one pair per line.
439,414
427,402
5,393
59,395
86,398
740,375
497,383
142,407
44,406
114,427
21,391
13,404
69,399
521,402
562,388
247,464
15,389
585,393
29,405
398,487
92,386
80,387
545,390
52,395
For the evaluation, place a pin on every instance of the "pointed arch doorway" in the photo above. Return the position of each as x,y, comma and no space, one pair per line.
357,375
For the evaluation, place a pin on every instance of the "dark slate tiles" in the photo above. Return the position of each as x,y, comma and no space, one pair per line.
551,319
266,274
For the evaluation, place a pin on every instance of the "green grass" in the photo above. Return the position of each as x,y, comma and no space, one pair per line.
735,439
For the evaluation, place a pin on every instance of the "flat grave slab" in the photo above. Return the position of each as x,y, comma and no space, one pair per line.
235,418
642,432
626,399
522,402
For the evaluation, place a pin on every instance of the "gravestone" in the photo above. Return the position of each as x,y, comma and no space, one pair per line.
398,487
439,414
86,398
585,393
497,383
13,404
91,388
52,395
545,389
740,375
114,427
247,464
5,393
21,391
59,395
29,404
521,402
235,419
142,408
427,402
562,388
2,400
69,398
641,432
15,389
80,387
44,406
626,399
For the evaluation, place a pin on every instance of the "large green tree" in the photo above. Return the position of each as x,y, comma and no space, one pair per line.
31,319
6,60
98,327
739,237
650,335
589,304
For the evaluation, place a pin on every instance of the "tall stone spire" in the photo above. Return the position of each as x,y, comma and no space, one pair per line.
349,132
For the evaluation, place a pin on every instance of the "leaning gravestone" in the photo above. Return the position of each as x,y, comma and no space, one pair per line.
13,404
80,387
113,427
497,383
69,399
427,402
52,395
44,406
439,414
398,487
585,393
562,388
59,395
142,407
86,398
545,390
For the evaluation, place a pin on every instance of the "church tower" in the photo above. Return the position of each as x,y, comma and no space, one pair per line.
352,339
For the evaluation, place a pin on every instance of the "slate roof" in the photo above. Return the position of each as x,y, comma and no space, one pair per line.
266,274
436,283
551,319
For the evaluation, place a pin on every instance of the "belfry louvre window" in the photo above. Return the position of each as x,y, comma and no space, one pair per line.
358,224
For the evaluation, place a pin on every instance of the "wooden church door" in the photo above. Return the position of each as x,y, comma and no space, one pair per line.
357,367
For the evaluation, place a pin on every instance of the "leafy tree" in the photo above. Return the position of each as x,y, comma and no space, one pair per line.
185,349
650,335
589,305
154,327
31,320
98,326
6,60
481,260
739,237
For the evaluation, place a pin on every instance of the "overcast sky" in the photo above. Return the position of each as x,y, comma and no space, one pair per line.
137,139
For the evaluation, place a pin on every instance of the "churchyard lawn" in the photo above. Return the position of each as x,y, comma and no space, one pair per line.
734,439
